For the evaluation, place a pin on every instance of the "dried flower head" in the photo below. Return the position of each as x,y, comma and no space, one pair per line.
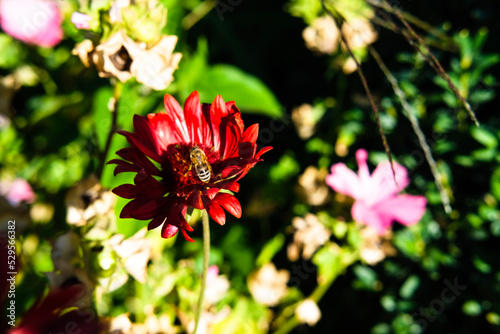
84,51
312,187
112,58
308,312
375,247
200,153
322,36
359,33
268,285
87,200
304,120
68,269
135,253
154,66
310,234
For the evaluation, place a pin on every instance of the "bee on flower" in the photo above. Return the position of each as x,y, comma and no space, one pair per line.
198,151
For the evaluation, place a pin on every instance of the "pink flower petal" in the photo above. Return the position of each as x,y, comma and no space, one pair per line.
80,20
406,209
371,216
383,179
343,180
212,273
35,22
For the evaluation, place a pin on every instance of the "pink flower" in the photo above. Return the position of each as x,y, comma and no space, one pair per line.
35,22
80,20
377,203
17,191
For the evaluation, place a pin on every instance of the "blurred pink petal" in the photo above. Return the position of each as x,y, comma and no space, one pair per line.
17,191
406,209
35,22
80,20
377,202
343,180
212,273
383,178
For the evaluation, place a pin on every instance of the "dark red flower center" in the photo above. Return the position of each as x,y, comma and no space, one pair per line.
178,173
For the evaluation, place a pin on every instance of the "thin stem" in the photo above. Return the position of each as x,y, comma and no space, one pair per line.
113,109
288,326
206,256
408,112
418,22
198,13
436,64
367,89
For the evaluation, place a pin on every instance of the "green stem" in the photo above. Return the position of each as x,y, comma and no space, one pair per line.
206,256
316,296
113,109
198,13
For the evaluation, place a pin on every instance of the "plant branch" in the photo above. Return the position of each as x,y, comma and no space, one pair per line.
450,43
367,89
113,109
429,56
198,13
408,111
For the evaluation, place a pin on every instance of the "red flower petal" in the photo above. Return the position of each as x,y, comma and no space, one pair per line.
136,157
141,209
178,122
167,130
212,192
147,148
125,191
157,221
230,203
198,127
234,187
168,231
230,138
195,200
251,134
217,111
216,212
262,151
186,236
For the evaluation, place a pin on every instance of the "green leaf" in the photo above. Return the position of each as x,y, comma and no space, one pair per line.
249,92
409,286
484,137
495,184
472,308
233,84
286,168
12,52
367,277
308,10
45,106
270,249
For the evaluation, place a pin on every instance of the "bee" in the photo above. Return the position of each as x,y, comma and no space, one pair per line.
200,163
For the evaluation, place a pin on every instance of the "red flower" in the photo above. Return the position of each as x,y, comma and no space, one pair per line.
57,313
198,152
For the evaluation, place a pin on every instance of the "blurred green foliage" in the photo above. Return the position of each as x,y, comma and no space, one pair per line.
59,122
